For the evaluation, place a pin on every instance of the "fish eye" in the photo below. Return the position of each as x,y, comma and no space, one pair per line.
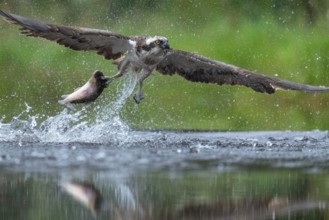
158,42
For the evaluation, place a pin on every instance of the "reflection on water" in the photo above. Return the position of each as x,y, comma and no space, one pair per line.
252,194
107,171
84,173
72,167
85,193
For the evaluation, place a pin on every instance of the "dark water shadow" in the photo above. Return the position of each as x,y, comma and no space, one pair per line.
168,175
253,194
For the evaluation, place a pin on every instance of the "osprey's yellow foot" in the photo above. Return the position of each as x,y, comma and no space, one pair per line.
108,81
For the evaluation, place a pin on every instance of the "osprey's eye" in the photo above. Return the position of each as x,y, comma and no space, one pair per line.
158,42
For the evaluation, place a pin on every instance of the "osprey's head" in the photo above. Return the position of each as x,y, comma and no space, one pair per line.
158,41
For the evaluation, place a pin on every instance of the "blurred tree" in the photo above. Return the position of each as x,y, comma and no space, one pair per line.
288,11
314,9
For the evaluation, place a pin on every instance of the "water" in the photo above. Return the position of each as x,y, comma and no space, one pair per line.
72,167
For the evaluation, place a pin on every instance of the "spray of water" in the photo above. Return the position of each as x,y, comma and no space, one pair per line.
75,126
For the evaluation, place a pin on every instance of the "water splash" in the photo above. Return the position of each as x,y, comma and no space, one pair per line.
68,126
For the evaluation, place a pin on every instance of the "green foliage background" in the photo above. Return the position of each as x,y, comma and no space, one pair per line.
287,39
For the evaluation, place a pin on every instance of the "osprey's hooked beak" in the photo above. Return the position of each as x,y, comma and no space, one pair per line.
165,45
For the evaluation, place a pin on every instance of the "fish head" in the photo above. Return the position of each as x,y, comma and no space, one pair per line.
99,79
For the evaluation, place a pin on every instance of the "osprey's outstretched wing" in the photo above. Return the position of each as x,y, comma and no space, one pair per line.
106,43
200,69
191,66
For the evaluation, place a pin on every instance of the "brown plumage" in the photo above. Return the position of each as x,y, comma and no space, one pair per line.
143,55
200,69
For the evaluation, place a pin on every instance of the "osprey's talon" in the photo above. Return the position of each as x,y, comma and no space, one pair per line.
144,55
108,81
138,98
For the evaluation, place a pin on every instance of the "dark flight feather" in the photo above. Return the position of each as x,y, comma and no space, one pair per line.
106,43
191,66
196,68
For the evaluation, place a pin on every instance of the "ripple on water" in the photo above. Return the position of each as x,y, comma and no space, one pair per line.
73,126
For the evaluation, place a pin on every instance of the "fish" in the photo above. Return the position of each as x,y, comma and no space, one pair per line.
85,193
87,93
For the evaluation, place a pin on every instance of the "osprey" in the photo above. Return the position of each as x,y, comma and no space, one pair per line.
144,54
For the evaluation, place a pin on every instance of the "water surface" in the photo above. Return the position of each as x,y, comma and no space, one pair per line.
70,166
168,175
